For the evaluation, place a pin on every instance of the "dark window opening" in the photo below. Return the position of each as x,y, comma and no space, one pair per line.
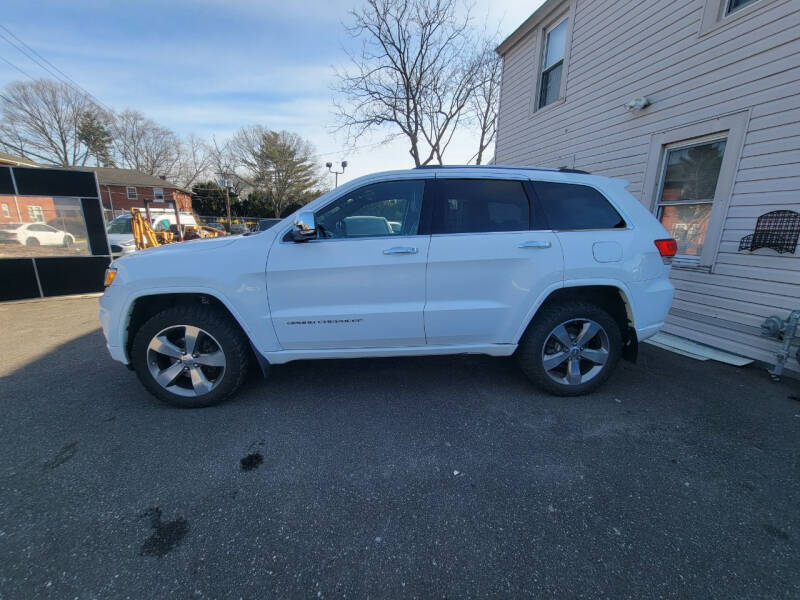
570,206
482,205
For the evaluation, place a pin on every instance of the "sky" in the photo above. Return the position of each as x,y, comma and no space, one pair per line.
209,67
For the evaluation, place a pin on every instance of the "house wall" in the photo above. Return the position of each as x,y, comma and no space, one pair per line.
695,73
119,197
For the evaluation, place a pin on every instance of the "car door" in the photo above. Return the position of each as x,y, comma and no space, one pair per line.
487,263
361,282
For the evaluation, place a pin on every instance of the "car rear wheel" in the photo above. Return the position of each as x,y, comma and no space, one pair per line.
190,356
570,349
67,241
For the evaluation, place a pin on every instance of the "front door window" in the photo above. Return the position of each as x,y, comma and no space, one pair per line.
386,209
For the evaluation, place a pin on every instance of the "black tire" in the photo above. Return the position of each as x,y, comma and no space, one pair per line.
32,241
67,241
226,334
530,353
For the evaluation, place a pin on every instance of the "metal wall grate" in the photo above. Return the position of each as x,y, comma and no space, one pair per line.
778,230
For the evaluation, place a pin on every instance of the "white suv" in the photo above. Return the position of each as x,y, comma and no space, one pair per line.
565,269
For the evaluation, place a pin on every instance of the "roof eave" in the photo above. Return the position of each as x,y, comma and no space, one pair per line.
539,15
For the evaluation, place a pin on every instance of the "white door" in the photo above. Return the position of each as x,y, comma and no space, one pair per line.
487,264
361,283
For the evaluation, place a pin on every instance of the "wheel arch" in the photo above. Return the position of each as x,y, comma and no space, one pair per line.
612,296
143,306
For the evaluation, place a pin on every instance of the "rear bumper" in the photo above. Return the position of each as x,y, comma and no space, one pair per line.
651,302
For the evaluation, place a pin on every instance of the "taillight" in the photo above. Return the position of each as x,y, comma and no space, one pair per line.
667,249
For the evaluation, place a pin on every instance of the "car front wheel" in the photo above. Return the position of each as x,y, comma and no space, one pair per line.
570,349
190,356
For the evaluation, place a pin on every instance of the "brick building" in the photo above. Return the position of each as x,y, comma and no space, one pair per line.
123,189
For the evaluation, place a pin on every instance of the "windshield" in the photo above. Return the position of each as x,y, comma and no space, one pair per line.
10,226
120,225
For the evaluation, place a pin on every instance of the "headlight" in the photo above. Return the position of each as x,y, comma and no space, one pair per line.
110,275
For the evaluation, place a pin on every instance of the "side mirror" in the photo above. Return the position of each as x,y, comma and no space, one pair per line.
304,227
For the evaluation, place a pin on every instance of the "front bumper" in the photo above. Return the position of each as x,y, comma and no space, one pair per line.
111,314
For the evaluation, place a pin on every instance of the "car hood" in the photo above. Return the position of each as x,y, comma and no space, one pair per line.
177,248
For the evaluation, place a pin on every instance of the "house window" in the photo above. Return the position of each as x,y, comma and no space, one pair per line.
733,5
35,213
158,194
553,64
132,193
689,181
6,212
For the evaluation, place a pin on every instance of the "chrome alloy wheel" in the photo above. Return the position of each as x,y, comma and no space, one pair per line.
186,360
575,352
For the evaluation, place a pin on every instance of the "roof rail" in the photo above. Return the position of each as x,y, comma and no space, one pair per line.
515,167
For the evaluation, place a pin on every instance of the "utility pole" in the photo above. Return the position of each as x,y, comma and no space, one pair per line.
224,183
336,173
228,204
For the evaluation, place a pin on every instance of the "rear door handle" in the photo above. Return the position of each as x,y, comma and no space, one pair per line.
401,250
535,244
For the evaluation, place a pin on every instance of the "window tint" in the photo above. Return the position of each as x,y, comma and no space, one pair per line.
380,209
479,205
570,206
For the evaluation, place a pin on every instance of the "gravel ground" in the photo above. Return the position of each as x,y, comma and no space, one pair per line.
419,477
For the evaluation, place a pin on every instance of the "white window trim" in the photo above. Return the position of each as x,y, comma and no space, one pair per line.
541,48
6,211
156,197
732,127
39,213
716,15
128,193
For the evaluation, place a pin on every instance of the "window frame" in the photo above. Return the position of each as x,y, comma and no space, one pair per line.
717,14
6,210
564,11
733,126
158,197
128,195
438,200
687,259
424,217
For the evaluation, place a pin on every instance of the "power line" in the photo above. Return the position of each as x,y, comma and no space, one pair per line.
13,66
31,55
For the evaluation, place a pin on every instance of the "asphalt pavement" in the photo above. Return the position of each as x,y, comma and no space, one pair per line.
443,477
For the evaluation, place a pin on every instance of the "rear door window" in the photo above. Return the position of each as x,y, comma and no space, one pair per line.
569,206
481,205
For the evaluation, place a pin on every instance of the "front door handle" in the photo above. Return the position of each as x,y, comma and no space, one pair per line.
535,244
401,250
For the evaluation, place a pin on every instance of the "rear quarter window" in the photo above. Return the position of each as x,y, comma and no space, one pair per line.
573,206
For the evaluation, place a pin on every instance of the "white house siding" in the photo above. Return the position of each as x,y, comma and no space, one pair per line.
622,49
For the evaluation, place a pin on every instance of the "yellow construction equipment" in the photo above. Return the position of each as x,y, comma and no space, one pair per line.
146,237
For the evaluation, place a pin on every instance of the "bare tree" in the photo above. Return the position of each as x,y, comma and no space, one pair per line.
42,120
484,102
413,76
194,161
141,144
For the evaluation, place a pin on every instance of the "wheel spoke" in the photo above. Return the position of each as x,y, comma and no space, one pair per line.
168,375
590,329
574,371
190,338
212,359
598,356
163,346
563,336
551,361
200,383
